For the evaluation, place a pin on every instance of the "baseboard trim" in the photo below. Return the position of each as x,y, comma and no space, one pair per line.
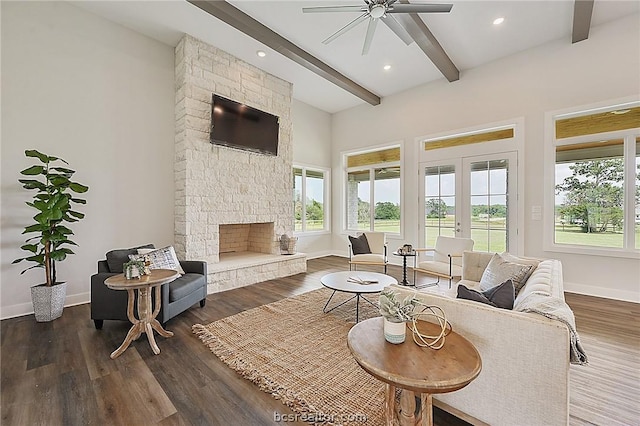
22,309
603,292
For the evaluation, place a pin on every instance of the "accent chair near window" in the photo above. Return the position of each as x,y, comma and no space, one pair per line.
370,248
447,259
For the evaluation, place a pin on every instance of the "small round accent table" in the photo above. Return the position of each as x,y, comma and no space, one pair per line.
372,282
146,321
404,281
415,370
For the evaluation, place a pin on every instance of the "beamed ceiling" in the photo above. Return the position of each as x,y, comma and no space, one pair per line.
336,76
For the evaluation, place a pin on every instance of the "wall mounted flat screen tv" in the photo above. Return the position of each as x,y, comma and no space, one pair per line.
239,126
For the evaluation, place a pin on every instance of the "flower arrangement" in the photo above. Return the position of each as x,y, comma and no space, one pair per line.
394,309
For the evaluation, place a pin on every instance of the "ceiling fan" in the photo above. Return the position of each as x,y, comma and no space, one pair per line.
376,10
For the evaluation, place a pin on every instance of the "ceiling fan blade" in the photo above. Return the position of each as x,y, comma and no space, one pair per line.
371,29
398,29
321,9
346,28
420,8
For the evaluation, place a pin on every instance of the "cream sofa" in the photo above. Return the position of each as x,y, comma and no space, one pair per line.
525,356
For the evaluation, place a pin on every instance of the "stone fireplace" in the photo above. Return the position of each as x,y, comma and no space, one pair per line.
231,206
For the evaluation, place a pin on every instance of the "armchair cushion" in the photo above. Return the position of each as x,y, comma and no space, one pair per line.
185,285
368,258
441,268
117,258
359,245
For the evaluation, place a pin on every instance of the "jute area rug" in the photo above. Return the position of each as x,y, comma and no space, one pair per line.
298,354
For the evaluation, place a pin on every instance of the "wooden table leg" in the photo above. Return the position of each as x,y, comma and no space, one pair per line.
407,414
134,332
389,404
427,409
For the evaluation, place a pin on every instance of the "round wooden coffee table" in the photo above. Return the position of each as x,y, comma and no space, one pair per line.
413,369
373,282
147,313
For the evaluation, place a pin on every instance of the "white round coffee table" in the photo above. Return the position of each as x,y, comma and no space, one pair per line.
372,282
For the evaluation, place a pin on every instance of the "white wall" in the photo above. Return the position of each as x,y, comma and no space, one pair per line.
547,78
312,147
102,97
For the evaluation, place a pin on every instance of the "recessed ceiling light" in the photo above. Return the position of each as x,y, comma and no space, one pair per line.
387,67
498,21
261,53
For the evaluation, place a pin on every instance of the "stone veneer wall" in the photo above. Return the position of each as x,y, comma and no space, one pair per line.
217,185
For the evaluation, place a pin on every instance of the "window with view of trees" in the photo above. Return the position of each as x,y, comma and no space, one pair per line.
373,191
310,185
597,189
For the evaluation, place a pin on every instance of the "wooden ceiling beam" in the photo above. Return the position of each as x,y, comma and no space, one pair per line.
425,39
582,11
256,30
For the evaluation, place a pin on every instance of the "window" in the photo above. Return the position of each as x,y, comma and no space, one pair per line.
310,185
373,191
597,188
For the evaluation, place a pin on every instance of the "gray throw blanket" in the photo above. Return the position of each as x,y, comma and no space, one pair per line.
556,309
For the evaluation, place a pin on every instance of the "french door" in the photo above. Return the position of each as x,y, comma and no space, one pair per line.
472,197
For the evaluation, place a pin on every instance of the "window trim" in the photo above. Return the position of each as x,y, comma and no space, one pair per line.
370,167
550,145
326,202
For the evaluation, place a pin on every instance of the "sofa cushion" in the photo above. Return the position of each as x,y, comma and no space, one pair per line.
118,257
359,245
500,296
500,270
185,285
164,258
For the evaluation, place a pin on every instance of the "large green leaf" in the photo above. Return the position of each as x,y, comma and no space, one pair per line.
35,228
33,170
32,267
79,200
42,157
76,214
33,248
32,184
77,187
59,181
64,170
58,255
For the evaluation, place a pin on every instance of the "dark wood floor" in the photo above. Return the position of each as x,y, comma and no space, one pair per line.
60,373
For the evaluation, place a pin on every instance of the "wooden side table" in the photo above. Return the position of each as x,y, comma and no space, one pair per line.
146,321
415,370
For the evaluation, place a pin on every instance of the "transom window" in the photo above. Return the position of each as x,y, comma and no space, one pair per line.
373,188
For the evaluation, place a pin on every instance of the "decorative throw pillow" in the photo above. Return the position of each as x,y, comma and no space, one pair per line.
523,261
164,258
500,296
117,258
359,245
499,270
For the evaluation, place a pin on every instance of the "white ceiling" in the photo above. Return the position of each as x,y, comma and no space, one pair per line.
466,34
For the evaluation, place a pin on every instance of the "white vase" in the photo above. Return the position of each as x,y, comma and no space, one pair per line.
394,332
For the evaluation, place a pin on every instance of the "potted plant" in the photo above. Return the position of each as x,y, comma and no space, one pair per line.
396,312
53,201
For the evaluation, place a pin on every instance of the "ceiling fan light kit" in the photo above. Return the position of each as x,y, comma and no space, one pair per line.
376,10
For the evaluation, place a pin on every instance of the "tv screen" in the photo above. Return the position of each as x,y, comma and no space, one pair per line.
239,126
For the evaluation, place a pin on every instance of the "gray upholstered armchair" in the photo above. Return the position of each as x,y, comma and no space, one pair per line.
177,296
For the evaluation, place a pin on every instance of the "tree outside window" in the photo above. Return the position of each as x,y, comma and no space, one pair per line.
309,185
